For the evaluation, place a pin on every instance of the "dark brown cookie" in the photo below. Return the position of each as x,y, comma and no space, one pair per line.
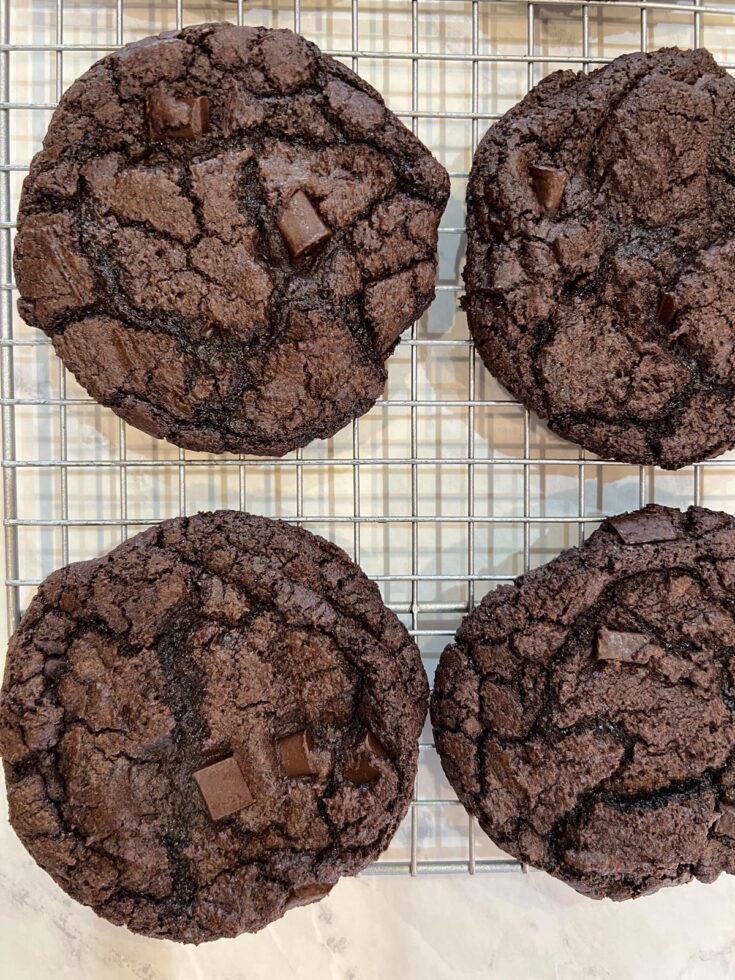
586,714
225,235
600,286
209,725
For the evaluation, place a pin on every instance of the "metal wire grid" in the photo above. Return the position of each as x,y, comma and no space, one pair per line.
474,490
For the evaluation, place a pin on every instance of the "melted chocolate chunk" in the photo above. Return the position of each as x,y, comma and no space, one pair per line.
630,648
302,229
178,118
361,766
666,309
296,754
307,894
644,527
224,788
548,185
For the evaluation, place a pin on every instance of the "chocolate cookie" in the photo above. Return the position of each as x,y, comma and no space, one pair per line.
225,234
209,725
601,252
586,714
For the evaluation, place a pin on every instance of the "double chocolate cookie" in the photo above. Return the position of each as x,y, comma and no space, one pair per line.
601,256
586,714
225,234
209,725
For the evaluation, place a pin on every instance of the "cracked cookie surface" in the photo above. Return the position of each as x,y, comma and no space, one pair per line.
601,253
225,234
586,714
209,725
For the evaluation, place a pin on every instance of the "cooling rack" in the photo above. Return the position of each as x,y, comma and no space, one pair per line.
447,487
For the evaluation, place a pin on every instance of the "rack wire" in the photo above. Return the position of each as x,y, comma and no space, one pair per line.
448,486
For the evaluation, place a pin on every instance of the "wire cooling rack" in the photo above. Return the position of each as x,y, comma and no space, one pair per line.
447,487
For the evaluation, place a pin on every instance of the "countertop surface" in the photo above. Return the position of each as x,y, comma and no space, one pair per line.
508,925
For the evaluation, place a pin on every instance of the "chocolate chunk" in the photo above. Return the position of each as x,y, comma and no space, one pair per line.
725,825
548,185
643,527
223,788
306,894
360,767
301,227
296,754
666,308
174,118
631,648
